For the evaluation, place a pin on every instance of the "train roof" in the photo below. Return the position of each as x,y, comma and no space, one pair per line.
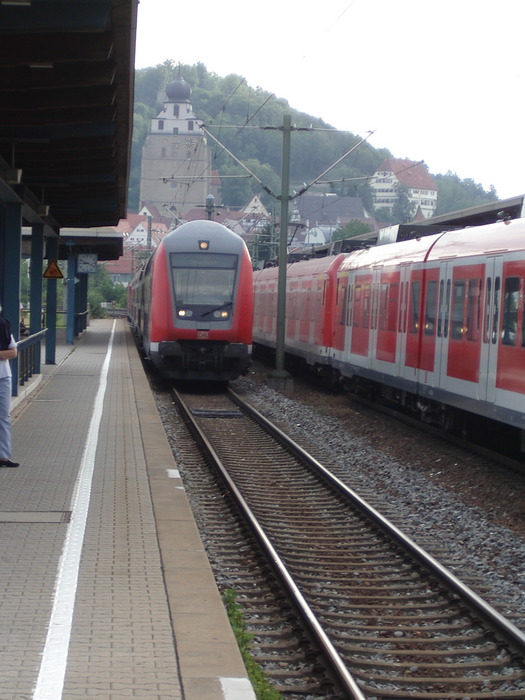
220,238
500,237
308,267
404,253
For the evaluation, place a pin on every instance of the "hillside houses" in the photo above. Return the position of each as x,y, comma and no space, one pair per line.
395,173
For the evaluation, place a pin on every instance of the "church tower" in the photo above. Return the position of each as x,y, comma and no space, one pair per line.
176,160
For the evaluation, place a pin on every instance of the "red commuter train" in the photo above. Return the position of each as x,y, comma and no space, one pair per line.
191,306
436,324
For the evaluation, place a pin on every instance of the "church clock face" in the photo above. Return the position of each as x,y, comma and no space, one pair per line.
189,142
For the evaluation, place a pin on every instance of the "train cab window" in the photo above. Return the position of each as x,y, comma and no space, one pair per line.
510,311
201,281
458,304
473,323
415,300
430,308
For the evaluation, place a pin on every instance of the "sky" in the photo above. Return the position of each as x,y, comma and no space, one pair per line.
436,80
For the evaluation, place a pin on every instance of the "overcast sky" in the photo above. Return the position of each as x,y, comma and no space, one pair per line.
437,80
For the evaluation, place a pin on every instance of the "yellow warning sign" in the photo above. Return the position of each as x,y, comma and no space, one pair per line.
53,271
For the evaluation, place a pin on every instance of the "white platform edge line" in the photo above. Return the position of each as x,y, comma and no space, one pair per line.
50,682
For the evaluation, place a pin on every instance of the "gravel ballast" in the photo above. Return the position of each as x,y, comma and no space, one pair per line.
472,510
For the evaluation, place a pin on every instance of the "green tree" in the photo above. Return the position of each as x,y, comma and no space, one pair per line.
352,228
403,210
102,289
455,194
222,102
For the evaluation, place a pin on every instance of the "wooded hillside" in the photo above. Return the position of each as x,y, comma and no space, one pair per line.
230,102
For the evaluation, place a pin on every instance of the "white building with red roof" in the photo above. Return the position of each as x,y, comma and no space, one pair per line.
394,173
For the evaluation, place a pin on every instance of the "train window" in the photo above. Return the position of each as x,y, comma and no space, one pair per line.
523,316
343,308
383,306
510,311
447,308
486,322
392,306
415,299
350,305
430,308
366,306
402,308
357,300
474,309
375,302
458,305
495,316
440,309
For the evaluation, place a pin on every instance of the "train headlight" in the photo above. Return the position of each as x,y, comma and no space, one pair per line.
221,314
184,313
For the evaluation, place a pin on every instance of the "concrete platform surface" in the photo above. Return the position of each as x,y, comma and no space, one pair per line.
106,590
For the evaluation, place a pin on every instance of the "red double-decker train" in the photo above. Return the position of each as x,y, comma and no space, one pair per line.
191,306
436,324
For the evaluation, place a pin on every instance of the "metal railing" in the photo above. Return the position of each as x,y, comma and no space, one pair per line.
29,354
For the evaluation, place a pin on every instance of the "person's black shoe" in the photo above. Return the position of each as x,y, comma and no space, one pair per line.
8,463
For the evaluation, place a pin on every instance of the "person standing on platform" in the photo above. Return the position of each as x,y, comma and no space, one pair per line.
8,352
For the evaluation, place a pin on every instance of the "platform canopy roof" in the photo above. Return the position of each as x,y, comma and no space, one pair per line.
66,109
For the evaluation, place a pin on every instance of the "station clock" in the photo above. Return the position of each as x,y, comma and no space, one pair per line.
87,262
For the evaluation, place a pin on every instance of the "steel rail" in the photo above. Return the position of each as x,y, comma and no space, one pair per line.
510,633
347,681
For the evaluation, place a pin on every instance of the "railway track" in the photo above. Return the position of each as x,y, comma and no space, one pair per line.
390,620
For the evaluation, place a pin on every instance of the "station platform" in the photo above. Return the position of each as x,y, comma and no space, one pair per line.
106,590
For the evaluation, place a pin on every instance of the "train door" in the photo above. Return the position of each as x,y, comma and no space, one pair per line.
402,323
428,324
291,309
511,330
361,316
414,318
388,312
316,337
491,322
341,311
460,327
305,316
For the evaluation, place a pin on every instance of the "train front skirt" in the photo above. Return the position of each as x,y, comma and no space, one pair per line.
191,360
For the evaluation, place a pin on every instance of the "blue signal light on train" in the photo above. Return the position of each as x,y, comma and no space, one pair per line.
204,245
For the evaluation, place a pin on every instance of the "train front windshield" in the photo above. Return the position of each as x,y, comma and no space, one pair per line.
203,285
